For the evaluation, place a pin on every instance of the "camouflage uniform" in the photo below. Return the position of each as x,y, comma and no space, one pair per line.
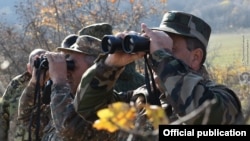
27,109
191,88
130,78
10,126
188,93
66,123
96,92
183,90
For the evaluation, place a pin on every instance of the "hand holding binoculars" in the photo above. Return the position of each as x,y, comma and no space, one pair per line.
130,44
42,63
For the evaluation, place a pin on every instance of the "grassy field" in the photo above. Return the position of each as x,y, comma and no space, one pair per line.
226,51
227,48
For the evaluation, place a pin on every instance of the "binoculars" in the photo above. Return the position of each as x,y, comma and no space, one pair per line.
43,63
130,44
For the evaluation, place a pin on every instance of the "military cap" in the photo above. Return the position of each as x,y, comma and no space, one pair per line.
69,40
185,24
97,30
85,44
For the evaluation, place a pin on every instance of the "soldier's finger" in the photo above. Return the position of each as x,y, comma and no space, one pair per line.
146,30
49,56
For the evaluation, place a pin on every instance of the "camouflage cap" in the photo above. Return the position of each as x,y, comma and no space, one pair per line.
185,24
97,30
69,40
85,44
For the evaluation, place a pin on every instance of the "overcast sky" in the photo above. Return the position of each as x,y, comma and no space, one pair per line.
7,10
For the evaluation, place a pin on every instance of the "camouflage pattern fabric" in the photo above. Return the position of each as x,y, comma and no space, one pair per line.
184,90
129,79
85,44
96,92
10,128
66,123
191,90
64,113
185,24
27,109
97,30
69,124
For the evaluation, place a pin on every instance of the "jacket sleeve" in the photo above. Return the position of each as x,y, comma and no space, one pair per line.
28,111
26,104
9,106
96,90
186,91
69,124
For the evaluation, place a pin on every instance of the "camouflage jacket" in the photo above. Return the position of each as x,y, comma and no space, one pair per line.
28,112
183,89
10,128
186,91
129,79
70,125
65,123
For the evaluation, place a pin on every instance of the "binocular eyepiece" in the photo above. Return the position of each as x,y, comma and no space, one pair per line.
43,63
130,44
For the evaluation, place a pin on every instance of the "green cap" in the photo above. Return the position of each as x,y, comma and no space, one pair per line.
185,24
97,30
85,44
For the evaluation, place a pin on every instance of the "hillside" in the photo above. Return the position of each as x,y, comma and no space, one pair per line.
222,15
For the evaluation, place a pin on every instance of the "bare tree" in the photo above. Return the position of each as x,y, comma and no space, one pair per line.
46,23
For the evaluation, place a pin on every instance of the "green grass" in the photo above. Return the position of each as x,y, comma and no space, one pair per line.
227,48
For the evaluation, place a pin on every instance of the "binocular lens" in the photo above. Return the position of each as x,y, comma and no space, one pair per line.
135,43
42,63
130,44
110,44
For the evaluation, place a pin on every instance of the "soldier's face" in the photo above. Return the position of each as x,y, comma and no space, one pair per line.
181,52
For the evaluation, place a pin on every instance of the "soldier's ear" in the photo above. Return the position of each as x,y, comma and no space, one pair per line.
29,69
197,58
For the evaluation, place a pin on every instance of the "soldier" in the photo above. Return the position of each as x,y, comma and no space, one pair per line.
83,52
130,78
177,53
10,128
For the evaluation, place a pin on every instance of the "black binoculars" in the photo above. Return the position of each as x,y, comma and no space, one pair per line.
130,44
43,63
